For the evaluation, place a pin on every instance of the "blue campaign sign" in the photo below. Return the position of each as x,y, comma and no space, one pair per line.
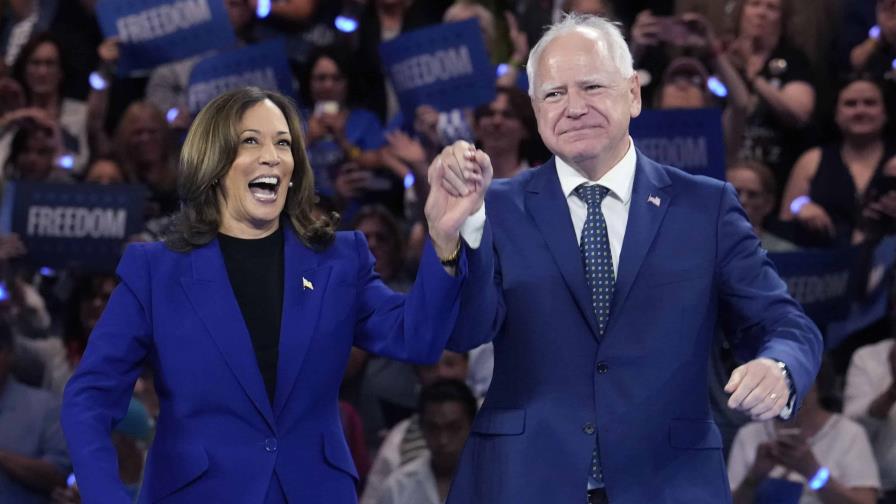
264,65
73,225
820,280
690,139
153,32
874,300
445,66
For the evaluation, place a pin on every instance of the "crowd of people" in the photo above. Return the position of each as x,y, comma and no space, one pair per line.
806,91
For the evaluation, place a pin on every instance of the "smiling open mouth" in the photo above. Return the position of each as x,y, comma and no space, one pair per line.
264,188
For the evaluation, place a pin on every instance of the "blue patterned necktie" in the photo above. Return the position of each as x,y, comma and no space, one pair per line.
595,246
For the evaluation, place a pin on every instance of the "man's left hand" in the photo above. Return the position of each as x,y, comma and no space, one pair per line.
759,389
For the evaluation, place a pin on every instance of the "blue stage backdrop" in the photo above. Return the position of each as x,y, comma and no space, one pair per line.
444,66
73,225
690,139
153,32
264,65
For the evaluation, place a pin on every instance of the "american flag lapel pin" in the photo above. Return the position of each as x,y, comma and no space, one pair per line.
654,199
306,284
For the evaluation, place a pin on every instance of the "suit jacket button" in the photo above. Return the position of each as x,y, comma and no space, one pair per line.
588,428
270,445
602,367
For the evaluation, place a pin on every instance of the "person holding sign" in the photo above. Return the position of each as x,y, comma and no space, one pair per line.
246,313
609,277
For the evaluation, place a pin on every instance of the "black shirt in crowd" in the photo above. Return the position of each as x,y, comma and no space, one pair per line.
255,270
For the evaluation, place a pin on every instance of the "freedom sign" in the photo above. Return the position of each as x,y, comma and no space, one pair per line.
820,280
689,139
153,32
264,65
73,225
444,66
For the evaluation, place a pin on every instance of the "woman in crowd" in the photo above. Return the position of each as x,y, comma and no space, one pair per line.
831,184
248,377
40,70
778,76
337,130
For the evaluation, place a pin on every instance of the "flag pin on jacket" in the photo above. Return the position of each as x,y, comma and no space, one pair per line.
306,284
654,199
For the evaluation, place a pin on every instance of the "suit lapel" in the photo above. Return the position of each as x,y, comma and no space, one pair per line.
547,205
212,297
650,200
304,286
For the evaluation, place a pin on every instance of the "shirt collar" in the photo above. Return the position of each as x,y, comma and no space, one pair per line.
618,180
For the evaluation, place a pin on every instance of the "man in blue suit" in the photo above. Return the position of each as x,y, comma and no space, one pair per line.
610,274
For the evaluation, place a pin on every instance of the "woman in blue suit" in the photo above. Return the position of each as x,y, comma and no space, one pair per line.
247,313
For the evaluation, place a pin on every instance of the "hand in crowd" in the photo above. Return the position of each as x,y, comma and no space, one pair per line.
12,96
758,388
62,495
407,149
518,40
108,51
700,35
334,124
881,208
458,179
813,216
645,31
792,451
426,123
11,246
764,462
351,181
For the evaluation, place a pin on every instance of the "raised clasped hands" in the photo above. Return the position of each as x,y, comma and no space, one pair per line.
458,178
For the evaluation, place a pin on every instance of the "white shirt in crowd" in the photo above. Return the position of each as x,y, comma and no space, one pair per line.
841,445
867,378
413,483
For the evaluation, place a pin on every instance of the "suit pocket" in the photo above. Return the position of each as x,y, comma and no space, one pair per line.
500,421
170,469
337,455
694,434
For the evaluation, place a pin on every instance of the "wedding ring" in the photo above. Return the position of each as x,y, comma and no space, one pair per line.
773,396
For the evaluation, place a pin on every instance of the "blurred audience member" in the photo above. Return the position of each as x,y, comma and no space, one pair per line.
143,144
756,190
19,21
34,154
405,443
506,131
446,414
868,397
779,78
824,453
336,130
33,458
40,69
88,298
105,171
683,85
830,184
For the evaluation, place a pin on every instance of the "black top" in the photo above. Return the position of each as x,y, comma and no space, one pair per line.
834,189
255,270
767,138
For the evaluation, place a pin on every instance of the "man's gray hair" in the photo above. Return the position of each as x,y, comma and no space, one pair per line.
607,31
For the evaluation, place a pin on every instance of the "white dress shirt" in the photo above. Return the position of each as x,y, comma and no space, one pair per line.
619,180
